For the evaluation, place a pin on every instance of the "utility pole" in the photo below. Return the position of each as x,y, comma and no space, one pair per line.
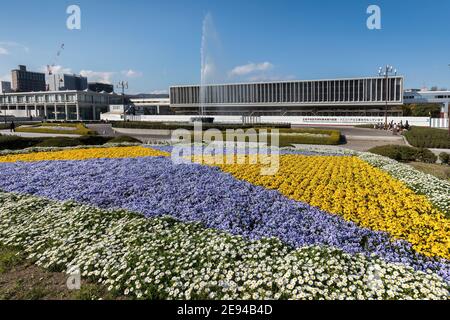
4,103
123,85
386,72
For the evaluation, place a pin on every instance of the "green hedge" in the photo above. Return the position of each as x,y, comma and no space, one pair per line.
428,138
17,143
122,139
444,157
405,153
286,137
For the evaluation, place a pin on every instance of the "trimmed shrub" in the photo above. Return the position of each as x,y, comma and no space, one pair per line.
405,153
59,142
390,151
121,139
428,138
444,157
426,156
93,140
17,143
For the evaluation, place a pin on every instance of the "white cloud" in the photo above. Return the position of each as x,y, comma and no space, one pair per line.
132,73
159,92
6,77
3,51
251,68
261,78
100,76
58,69
11,44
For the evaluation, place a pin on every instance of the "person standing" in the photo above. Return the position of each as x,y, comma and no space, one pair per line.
13,126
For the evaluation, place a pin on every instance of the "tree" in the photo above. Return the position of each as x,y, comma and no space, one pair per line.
422,110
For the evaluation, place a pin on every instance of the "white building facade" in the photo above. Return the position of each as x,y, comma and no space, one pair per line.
57,105
332,97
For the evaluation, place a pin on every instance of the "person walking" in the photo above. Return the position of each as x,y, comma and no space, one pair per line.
13,126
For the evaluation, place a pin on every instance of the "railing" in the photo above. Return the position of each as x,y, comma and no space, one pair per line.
439,123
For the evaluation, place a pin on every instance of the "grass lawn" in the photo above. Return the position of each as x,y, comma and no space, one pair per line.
58,128
20,279
437,170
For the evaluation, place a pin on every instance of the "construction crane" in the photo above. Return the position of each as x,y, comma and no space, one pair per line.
55,60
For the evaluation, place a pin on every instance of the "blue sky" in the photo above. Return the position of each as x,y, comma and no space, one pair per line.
154,44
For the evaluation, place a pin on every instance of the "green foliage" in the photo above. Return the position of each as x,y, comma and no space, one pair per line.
90,291
444,157
93,140
122,139
309,136
59,142
428,138
421,110
426,156
405,153
9,258
17,143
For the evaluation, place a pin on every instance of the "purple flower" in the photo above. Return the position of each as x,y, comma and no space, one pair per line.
195,193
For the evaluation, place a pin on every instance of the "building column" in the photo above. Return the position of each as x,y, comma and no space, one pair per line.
66,110
56,113
78,111
444,110
45,112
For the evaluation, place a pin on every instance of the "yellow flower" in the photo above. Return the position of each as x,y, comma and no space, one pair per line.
83,154
368,196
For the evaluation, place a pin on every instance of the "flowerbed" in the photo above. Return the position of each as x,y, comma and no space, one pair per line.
194,193
162,259
363,220
80,154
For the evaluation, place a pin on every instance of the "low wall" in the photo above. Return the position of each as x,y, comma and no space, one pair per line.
310,121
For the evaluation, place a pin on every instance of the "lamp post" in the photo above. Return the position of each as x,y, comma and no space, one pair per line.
4,103
386,72
123,85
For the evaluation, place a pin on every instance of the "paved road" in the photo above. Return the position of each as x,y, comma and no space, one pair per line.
353,131
359,139
103,129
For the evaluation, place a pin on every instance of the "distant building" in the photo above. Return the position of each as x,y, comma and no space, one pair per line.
415,96
63,82
58,105
152,106
27,81
101,87
5,87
